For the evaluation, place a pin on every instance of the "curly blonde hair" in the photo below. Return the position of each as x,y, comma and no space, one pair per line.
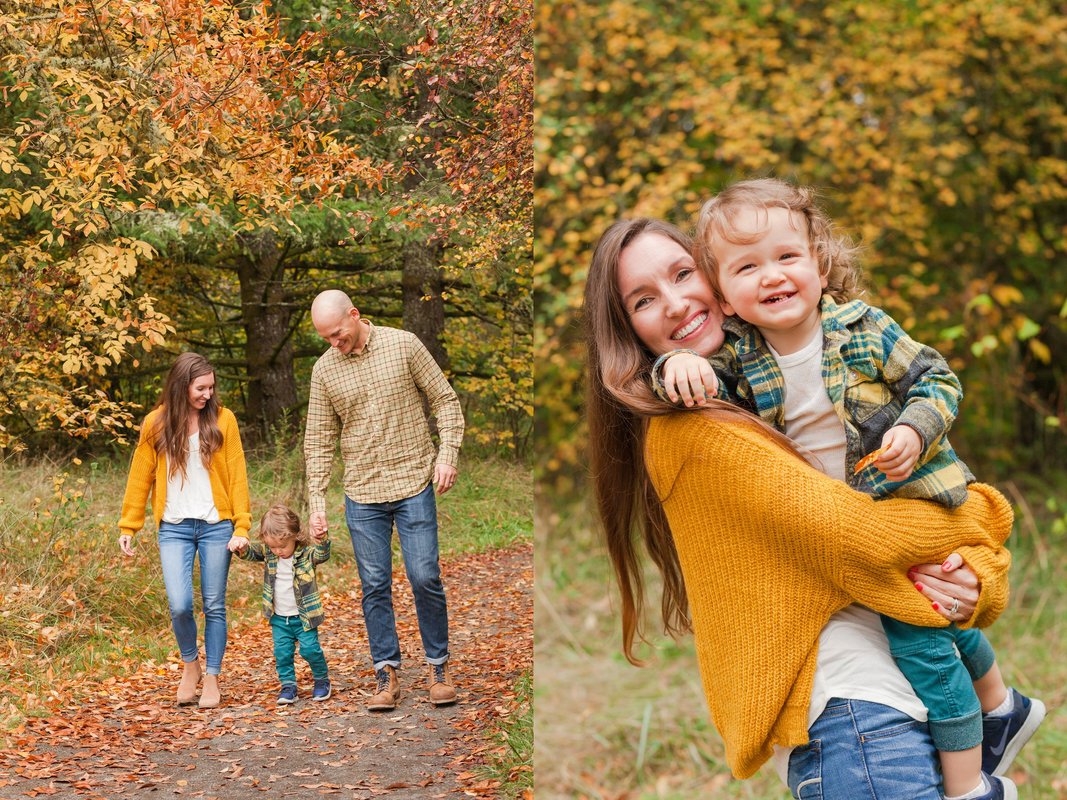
836,254
281,524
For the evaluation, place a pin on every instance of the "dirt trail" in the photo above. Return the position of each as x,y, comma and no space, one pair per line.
128,739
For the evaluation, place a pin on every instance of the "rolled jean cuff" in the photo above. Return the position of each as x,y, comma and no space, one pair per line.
435,661
383,664
958,733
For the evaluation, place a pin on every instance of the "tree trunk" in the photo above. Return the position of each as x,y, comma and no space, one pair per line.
267,318
424,308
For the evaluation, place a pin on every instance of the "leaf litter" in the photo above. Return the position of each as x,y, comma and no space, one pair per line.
125,737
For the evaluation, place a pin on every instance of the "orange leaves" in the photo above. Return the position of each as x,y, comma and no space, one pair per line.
124,734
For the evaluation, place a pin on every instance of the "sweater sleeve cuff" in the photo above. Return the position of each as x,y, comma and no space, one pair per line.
992,569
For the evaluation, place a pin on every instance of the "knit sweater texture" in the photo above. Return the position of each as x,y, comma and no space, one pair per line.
770,548
148,476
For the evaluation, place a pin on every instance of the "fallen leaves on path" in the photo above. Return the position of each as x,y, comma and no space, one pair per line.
127,737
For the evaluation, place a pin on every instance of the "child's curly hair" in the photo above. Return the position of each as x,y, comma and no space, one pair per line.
836,254
281,524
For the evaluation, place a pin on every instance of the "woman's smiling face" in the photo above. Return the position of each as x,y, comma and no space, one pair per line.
668,301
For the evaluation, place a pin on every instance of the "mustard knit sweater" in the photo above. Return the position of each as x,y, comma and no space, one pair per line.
148,475
764,568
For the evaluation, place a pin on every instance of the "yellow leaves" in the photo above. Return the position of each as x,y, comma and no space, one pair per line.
1006,295
1040,350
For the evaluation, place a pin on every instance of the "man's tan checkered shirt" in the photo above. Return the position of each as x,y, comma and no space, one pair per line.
371,402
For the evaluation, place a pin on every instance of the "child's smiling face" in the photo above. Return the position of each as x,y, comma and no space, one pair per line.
282,549
772,282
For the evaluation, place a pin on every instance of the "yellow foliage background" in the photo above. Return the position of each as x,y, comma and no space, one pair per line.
935,131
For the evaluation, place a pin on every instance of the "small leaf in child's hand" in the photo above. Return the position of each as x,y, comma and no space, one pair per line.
867,460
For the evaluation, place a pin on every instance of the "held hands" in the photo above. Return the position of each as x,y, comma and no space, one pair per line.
901,448
444,477
690,378
318,526
945,584
237,544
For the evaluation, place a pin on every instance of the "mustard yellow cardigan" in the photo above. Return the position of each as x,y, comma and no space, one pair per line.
770,548
148,474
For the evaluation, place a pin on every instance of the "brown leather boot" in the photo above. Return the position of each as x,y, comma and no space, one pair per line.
442,692
388,690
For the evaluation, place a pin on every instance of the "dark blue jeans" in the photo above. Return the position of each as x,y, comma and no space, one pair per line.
371,528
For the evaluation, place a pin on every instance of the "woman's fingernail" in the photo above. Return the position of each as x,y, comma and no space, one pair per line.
936,606
919,586
946,565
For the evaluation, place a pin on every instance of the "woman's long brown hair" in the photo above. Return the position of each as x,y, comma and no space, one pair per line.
619,404
169,433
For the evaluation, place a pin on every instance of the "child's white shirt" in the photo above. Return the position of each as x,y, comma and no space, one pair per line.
853,659
810,419
192,497
284,595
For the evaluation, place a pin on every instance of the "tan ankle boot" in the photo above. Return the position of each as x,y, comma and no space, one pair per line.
388,690
210,696
442,692
187,685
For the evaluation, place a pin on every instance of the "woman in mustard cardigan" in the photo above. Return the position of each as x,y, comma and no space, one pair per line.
189,459
775,568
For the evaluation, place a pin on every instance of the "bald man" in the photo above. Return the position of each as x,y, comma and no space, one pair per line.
366,394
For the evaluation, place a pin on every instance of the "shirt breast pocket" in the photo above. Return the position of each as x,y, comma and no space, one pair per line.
867,398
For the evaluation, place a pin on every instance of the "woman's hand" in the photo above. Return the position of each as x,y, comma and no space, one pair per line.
945,584
126,544
237,544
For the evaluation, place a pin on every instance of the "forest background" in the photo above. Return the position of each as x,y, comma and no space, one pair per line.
188,174
937,133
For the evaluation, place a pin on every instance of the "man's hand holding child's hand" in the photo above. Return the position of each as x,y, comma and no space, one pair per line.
690,378
901,447
318,526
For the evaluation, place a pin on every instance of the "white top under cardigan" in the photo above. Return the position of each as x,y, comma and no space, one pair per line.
853,659
191,497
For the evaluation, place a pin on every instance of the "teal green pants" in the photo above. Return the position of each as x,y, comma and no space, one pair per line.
942,679
287,633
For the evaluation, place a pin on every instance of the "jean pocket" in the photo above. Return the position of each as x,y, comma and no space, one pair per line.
805,771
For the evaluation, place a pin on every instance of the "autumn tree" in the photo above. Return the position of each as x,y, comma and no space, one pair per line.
935,131
221,163
441,247
129,107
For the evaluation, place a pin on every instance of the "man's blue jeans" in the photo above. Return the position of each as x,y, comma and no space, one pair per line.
371,528
865,751
179,543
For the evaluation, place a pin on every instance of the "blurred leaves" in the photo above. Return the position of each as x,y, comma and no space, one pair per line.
935,130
